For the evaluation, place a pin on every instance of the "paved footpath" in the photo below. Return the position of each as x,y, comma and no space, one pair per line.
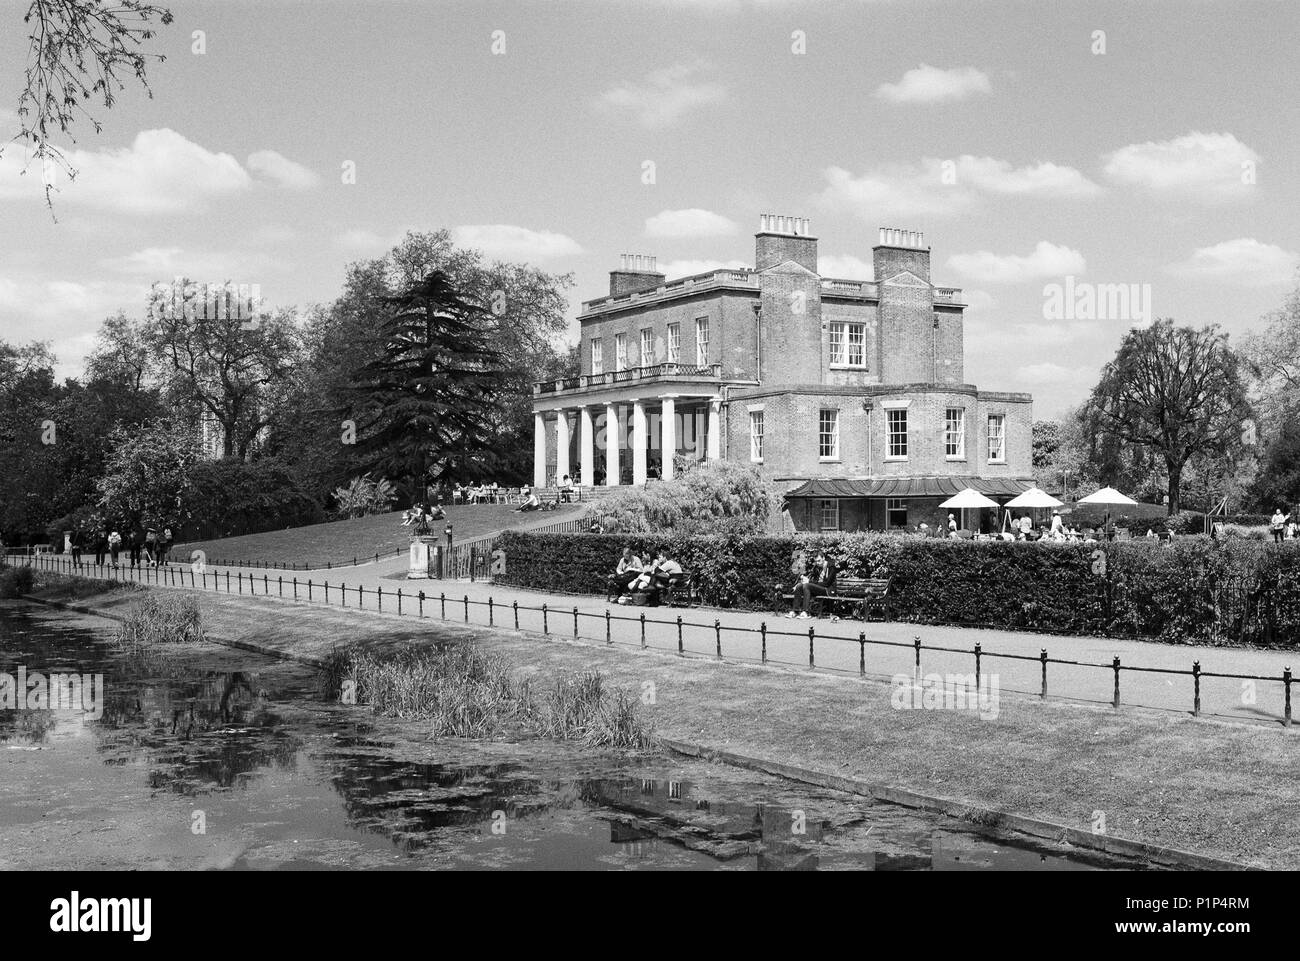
1086,675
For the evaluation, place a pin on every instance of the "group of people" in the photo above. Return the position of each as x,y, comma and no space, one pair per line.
1023,529
632,576
420,516
493,493
148,547
1282,527
480,493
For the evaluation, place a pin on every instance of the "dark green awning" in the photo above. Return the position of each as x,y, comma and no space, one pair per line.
912,487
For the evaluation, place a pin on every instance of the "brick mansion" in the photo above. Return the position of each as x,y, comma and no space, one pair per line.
849,395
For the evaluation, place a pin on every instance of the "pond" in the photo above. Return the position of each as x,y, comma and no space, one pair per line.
209,757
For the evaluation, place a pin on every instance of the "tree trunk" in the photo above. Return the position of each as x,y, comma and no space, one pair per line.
1175,482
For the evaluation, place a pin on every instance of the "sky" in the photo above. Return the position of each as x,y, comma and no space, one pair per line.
1144,142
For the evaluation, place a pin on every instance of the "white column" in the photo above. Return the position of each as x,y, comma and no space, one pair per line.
586,446
611,445
539,449
668,438
714,449
639,439
561,445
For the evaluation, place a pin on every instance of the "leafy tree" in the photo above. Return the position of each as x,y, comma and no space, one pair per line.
29,475
235,368
427,403
147,477
77,52
526,307
1173,392
231,497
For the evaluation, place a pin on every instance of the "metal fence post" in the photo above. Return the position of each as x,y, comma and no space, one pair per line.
762,630
545,627
811,630
916,643
862,653
515,605
1115,666
466,608
265,585
420,605
680,649
1042,657
279,582
309,588
1196,688
1286,683
609,638
717,629
442,600
399,601
643,628
977,665
575,622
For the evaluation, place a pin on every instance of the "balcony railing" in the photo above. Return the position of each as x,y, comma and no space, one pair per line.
948,295
734,277
631,375
861,288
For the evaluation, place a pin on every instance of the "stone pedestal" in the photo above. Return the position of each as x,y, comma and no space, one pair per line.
422,558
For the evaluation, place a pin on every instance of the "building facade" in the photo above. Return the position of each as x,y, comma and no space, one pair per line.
848,394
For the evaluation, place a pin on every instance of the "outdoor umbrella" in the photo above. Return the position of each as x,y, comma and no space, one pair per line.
1033,498
1108,497
971,498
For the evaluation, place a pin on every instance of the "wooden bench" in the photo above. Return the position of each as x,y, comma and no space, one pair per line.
681,590
858,595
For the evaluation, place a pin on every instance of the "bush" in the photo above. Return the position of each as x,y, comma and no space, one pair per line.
16,581
160,619
713,498
364,495
1138,588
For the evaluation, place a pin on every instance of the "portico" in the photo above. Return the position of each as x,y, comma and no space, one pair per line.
638,418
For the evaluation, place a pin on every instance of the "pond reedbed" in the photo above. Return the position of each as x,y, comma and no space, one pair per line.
464,691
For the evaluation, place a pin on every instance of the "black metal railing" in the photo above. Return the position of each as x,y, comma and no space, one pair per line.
556,620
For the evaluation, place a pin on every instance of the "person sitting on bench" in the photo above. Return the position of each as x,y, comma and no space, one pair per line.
659,576
820,583
627,571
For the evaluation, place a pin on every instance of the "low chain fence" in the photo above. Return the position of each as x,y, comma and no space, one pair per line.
556,621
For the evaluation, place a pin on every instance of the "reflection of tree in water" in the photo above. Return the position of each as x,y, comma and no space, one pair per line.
201,732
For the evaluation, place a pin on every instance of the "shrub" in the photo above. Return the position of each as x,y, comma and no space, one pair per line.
364,495
1174,591
714,498
16,581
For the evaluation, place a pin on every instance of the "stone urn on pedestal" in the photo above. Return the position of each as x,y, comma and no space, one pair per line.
424,553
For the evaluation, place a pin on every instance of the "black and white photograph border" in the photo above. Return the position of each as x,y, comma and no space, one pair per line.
640,435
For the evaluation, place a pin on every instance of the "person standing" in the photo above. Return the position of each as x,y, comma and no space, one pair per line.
115,546
77,538
166,544
1277,524
952,526
133,543
151,548
101,545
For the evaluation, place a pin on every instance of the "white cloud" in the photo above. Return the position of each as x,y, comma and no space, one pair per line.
1046,260
66,313
943,187
675,269
511,243
282,171
1048,373
891,191
164,263
926,84
1244,262
1038,180
1209,166
362,241
844,267
161,172
692,222
665,95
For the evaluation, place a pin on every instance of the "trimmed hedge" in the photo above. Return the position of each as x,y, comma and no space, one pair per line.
1190,591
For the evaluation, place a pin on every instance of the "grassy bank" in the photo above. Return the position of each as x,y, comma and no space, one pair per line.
464,691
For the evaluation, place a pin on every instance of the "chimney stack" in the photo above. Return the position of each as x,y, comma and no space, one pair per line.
900,250
781,238
636,272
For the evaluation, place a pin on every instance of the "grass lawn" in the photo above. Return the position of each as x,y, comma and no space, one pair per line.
1218,789
338,542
